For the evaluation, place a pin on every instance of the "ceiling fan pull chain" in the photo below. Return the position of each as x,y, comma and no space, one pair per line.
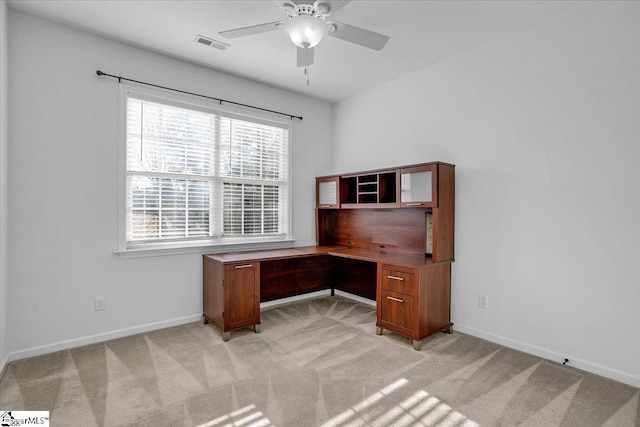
306,64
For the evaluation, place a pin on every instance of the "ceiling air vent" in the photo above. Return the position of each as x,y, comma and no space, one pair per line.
211,42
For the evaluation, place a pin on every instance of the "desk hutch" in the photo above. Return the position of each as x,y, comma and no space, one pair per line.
385,235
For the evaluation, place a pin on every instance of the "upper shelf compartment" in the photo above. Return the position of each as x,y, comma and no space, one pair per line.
406,186
377,189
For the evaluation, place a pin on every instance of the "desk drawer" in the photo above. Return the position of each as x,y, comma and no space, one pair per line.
397,311
398,281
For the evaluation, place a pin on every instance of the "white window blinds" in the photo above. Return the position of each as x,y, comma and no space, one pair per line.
194,174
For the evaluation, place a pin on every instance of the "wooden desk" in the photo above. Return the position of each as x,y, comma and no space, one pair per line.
412,292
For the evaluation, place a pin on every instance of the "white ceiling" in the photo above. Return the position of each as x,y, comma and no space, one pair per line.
422,33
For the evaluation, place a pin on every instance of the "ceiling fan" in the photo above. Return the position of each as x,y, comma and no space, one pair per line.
306,25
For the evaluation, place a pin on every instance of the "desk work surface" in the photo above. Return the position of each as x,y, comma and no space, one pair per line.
363,254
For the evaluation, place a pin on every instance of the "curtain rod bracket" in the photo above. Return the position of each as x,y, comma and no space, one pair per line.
120,78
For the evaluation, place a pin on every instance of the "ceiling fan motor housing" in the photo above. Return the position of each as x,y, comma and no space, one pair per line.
318,10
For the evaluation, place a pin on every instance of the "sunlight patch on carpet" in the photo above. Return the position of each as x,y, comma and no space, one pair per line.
248,416
420,408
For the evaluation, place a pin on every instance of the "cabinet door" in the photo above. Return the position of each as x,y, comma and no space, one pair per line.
396,311
243,306
419,186
327,193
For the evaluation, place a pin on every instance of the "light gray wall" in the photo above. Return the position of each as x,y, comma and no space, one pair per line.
543,126
4,142
64,187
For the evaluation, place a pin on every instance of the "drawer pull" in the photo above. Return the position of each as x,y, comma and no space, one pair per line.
243,266
413,204
395,299
325,206
395,278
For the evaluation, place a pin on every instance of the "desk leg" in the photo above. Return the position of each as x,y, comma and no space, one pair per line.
333,293
226,336
256,328
417,345
379,330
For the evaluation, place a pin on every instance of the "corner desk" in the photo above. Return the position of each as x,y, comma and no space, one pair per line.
413,293
386,235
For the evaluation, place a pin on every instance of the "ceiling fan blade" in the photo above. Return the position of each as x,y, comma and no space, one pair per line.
334,5
360,36
301,59
247,31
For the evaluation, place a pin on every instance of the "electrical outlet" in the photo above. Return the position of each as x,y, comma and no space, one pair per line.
483,301
101,303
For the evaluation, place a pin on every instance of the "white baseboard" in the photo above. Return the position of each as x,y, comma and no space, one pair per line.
366,301
106,336
312,295
594,368
3,365
296,298
97,338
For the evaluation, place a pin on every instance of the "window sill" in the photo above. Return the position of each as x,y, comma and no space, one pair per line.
162,249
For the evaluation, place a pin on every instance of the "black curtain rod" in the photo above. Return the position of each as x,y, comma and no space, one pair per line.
120,78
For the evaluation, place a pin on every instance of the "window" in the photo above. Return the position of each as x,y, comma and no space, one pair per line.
197,175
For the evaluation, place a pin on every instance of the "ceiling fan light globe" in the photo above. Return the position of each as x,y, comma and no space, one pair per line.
305,31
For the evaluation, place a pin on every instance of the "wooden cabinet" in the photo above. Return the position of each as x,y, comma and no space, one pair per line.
414,302
413,237
231,295
328,192
418,186
243,295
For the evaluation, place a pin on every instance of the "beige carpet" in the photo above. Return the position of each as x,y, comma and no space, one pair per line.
316,363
